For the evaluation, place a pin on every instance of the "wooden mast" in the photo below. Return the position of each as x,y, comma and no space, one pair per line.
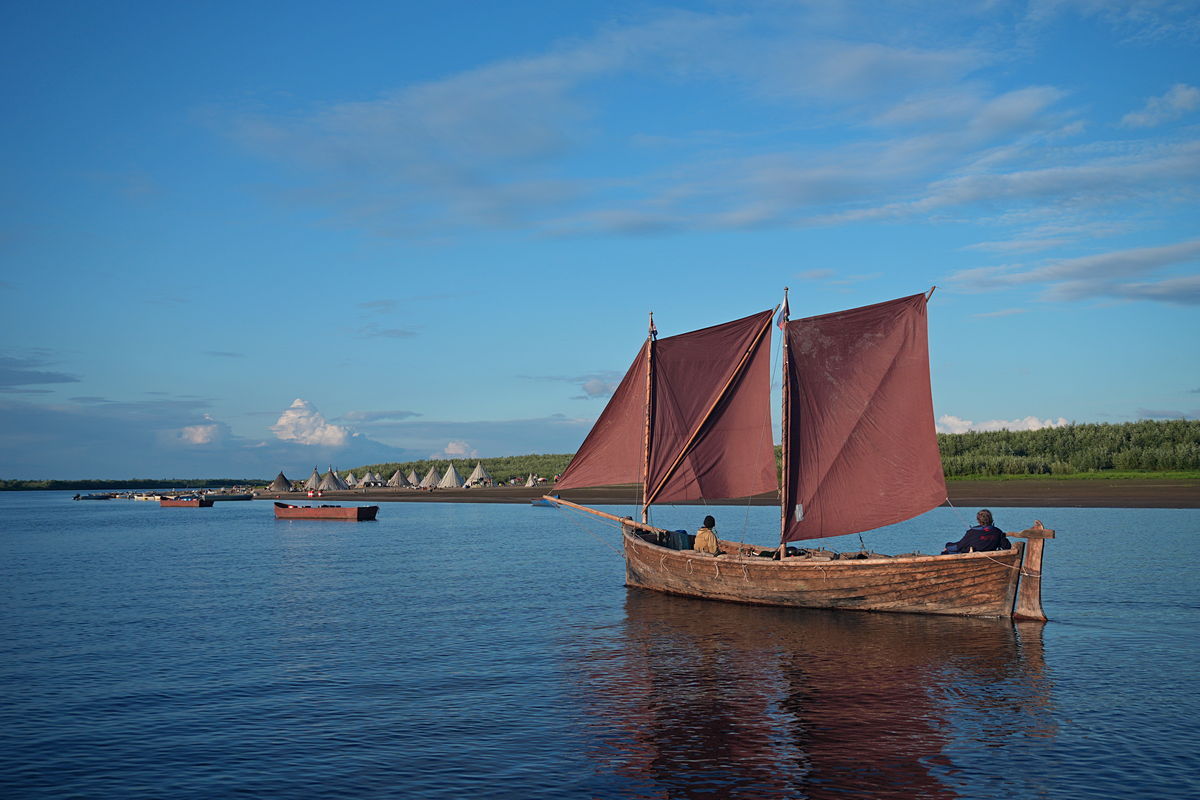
650,338
785,498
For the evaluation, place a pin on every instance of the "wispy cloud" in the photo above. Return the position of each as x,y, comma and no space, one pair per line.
1112,275
224,354
373,331
376,416
1179,100
594,385
930,134
1148,413
379,306
17,372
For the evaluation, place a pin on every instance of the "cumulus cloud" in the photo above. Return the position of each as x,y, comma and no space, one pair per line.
1179,100
200,434
456,449
302,423
948,423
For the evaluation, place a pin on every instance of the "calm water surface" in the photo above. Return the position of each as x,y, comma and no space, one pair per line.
454,650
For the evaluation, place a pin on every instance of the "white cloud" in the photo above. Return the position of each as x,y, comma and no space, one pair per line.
1179,100
1109,274
947,423
456,449
302,423
597,387
208,433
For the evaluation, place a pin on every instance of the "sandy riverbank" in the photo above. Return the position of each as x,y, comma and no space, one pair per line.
1116,493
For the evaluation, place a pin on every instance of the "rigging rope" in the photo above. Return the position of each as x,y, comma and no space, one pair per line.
585,529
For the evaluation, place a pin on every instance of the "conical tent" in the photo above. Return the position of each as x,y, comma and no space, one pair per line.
412,478
530,481
280,484
451,480
431,479
350,480
479,476
398,480
330,481
313,481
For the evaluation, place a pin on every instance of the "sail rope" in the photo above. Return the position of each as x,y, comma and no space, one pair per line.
577,521
1019,569
961,516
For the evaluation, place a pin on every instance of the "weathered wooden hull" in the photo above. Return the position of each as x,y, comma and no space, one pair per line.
343,513
191,502
970,584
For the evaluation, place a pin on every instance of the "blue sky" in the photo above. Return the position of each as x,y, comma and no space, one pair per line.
244,237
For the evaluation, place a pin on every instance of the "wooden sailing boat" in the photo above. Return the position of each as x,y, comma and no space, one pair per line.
691,421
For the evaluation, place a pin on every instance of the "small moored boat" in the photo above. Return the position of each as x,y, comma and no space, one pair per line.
350,513
185,501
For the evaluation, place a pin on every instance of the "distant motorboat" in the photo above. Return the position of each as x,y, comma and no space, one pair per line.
345,513
223,496
94,497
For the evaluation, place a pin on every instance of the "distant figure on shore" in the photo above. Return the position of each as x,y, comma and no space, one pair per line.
706,537
983,537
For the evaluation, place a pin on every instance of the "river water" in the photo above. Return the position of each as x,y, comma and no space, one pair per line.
465,650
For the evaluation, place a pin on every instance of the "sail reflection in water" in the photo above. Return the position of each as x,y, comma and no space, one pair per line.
702,699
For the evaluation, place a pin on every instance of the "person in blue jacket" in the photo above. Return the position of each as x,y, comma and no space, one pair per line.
984,536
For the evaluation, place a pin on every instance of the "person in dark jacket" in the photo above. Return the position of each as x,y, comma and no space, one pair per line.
983,537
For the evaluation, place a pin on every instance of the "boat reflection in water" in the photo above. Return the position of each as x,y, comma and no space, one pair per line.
702,699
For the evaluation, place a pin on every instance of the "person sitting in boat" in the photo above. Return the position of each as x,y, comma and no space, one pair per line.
983,537
706,537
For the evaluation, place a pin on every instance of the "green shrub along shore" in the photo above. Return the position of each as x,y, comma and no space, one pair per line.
1129,450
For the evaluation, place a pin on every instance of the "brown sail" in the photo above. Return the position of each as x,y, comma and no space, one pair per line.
710,425
861,439
614,451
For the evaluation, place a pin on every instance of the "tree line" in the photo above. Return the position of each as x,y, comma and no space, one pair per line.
1146,446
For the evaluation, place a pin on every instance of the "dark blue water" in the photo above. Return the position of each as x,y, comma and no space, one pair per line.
452,651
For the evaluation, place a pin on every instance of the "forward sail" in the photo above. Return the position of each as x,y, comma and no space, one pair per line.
862,446
710,425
